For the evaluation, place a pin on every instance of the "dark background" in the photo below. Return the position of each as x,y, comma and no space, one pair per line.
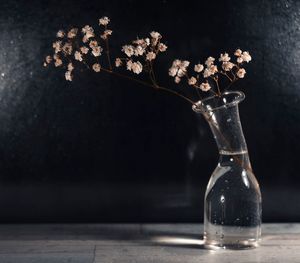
107,149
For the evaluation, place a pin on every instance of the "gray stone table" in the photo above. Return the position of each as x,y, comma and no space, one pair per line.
159,243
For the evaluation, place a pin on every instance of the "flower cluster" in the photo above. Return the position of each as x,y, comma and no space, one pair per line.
86,46
210,72
145,51
76,46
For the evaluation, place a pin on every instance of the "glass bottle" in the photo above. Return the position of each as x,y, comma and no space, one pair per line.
232,208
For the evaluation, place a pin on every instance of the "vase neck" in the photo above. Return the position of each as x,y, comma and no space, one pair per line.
227,130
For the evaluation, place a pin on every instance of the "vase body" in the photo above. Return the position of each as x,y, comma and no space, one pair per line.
232,215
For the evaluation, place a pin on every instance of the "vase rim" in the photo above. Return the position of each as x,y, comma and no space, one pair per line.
199,105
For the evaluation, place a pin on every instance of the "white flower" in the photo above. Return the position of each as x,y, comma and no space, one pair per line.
96,51
239,60
68,75
104,21
88,32
192,81
246,56
137,67
106,34
70,66
206,73
60,34
84,50
173,71
139,51
213,69
184,64
128,50
241,73
45,64
85,39
150,56
67,48
48,59
205,86
78,56
179,68
129,64
118,62
181,72
198,68
93,44
162,47
238,52
147,40
155,35
58,62
72,33
57,46
224,57
227,66
96,67
209,61
177,79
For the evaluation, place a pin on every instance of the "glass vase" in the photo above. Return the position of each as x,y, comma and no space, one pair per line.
232,208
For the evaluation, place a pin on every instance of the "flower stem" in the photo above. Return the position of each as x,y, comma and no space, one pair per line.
154,85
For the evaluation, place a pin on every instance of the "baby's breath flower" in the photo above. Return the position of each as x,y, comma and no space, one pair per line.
241,73
181,72
118,62
137,67
206,73
142,42
104,21
72,33
68,75
106,34
96,67
239,60
238,52
147,40
224,57
45,64
93,44
96,51
246,56
88,32
150,56
84,50
129,64
128,50
177,79
78,56
85,39
57,46
48,59
209,61
198,68
173,71
192,81
60,34
162,47
70,66
58,62
155,35
205,86
67,48
227,66
139,51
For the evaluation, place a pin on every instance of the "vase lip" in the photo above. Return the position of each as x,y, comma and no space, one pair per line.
202,106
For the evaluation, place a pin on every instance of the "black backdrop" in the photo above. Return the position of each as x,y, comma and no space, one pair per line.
106,149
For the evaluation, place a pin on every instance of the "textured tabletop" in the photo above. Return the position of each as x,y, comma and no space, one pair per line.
91,243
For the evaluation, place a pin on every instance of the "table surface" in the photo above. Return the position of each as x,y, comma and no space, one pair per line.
159,243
